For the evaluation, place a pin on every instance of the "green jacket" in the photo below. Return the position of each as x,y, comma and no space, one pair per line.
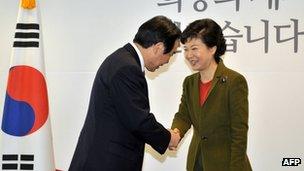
220,125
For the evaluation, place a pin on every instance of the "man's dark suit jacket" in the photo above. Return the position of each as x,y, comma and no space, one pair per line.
118,122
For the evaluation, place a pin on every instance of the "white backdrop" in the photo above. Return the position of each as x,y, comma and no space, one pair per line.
78,35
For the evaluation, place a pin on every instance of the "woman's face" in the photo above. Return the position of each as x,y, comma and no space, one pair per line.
198,54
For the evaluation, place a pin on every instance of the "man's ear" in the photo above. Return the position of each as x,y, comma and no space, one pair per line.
159,48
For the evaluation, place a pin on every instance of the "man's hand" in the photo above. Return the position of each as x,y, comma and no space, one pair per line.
175,138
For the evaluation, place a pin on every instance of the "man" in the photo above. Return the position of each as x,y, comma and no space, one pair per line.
119,122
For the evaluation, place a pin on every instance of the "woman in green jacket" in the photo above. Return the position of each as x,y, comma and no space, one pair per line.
214,102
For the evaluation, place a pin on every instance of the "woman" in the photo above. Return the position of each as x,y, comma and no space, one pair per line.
214,102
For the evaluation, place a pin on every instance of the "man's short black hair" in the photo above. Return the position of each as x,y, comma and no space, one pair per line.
158,29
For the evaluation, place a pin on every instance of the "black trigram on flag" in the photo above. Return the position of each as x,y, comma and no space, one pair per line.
17,162
27,35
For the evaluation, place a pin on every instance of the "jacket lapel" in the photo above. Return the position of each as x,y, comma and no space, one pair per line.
199,114
218,77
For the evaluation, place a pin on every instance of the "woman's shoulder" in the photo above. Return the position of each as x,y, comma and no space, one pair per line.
190,80
192,77
233,73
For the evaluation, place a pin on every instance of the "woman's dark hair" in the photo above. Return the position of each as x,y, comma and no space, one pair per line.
158,29
209,32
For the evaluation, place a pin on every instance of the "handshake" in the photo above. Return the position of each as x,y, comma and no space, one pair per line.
175,138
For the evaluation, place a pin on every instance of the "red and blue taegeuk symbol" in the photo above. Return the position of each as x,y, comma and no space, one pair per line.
26,103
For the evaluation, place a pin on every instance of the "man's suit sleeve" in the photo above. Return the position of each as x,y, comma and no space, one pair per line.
129,93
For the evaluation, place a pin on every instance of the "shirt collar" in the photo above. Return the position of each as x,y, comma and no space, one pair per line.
141,59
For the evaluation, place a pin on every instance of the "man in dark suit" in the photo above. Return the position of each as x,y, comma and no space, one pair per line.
119,122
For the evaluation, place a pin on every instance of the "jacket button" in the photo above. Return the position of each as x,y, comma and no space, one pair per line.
204,138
